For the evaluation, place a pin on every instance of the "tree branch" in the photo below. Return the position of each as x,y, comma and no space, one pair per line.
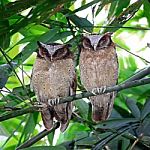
18,113
116,88
139,75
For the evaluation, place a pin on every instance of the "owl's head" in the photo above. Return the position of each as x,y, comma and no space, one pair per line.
53,51
96,42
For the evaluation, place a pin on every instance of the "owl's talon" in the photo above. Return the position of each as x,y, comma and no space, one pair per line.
94,91
103,89
100,90
53,102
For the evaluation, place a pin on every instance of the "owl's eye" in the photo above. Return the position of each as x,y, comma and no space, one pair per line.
86,43
104,42
58,52
101,42
43,52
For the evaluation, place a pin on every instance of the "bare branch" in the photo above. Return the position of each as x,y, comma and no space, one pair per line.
139,75
116,88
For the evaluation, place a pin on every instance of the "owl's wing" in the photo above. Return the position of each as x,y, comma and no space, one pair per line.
39,84
47,117
69,105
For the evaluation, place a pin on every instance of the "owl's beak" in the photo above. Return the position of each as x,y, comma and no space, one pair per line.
51,57
94,46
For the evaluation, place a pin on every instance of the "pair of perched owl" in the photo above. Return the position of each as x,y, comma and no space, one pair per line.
54,76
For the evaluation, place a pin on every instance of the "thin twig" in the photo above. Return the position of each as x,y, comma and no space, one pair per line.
23,85
77,43
11,66
18,113
118,27
136,141
13,94
133,53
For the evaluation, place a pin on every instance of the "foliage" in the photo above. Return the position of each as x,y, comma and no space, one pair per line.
23,23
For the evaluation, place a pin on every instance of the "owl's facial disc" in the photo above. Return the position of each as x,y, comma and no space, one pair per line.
51,49
94,39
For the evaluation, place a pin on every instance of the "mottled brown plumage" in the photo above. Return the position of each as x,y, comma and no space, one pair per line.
99,67
53,76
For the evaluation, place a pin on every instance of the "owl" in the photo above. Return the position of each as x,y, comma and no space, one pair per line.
53,76
99,68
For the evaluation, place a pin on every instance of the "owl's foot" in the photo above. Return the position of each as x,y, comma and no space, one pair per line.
100,90
40,105
53,102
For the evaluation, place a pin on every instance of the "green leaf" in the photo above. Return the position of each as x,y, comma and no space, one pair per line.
144,127
29,127
127,14
50,137
5,72
5,37
112,9
146,109
102,5
116,134
88,141
115,123
85,6
121,5
60,35
82,23
83,108
132,63
133,107
74,131
46,148
18,95
146,10
31,47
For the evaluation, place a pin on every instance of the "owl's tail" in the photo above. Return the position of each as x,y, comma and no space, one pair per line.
102,106
63,114
47,117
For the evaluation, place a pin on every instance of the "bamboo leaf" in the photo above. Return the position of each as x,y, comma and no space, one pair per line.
133,107
81,23
146,109
46,148
127,14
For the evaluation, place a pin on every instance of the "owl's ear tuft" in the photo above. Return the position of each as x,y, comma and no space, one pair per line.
41,51
86,43
40,44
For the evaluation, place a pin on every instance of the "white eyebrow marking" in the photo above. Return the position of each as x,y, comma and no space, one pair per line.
51,48
94,39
